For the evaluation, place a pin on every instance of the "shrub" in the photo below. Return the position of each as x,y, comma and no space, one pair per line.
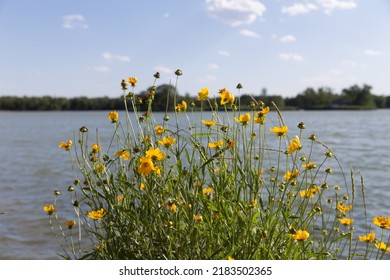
223,184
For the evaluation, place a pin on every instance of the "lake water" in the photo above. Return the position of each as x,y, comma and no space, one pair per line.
32,166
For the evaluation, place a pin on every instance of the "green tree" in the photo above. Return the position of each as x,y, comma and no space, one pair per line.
359,96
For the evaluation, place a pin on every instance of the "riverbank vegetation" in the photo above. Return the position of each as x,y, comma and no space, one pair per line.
236,185
353,98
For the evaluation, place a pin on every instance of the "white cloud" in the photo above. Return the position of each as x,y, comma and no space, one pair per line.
224,53
213,66
235,12
74,21
291,56
114,57
327,6
102,69
287,38
330,5
370,52
163,69
249,33
299,8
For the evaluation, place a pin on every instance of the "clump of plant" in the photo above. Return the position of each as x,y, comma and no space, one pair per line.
219,184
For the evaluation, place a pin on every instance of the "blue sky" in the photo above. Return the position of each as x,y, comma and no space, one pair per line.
73,48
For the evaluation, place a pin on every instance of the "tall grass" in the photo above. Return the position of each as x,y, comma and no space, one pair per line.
236,185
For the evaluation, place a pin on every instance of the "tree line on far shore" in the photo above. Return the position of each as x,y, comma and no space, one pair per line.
355,97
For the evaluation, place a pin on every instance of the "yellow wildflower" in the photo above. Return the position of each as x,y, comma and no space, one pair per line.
159,130
97,215
346,221
259,120
95,148
120,197
343,208
309,193
290,175
167,142
280,131
146,166
155,154
382,222
70,223
172,206
229,258
142,187
132,80
113,116
263,112
382,246
310,165
295,144
261,115
243,119
49,209
198,218
208,123
123,154
300,235
226,97
216,145
203,94
370,237
181,107
66,146
207,191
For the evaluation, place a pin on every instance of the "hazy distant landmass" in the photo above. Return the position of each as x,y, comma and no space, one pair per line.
163,97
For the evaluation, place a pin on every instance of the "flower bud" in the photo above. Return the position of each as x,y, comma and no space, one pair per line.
329,170
224,128
178,72
157,75
123,85
329,154
292,231
301,125
83,129
313,137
